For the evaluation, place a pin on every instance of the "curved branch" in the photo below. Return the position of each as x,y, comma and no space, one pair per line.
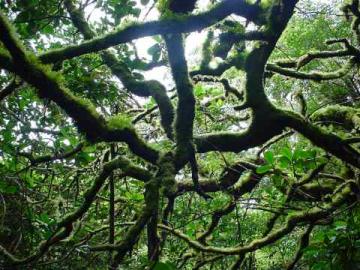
56,156
314,75
229,178
261,130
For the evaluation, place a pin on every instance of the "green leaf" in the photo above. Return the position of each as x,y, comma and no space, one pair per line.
284,162
319,237
286,152
269,157
263,169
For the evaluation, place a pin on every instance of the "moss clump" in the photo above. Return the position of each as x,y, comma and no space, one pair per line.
119,121
4,52
207,50
347,117
47,70
86,104
240,59
158,92
167,174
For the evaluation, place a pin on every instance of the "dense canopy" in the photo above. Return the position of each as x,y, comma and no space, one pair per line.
179,134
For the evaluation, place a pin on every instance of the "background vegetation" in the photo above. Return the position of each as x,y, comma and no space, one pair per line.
179,134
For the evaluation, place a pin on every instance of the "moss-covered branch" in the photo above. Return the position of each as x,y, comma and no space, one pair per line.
5,60
164,177
347,117
299,190
205,261
330,142
348,50
352,7
262,129
269,124
313,75
229,178
185,111
227,87
237,264
185,24
237,60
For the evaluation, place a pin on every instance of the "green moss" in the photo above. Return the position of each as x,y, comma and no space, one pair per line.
348,117
238,28
85,104
20,53
207,50
10,37
54,76
119,121
167,174
338,198
158,92
126,23
3,51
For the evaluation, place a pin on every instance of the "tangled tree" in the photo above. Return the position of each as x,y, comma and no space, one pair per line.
242,154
